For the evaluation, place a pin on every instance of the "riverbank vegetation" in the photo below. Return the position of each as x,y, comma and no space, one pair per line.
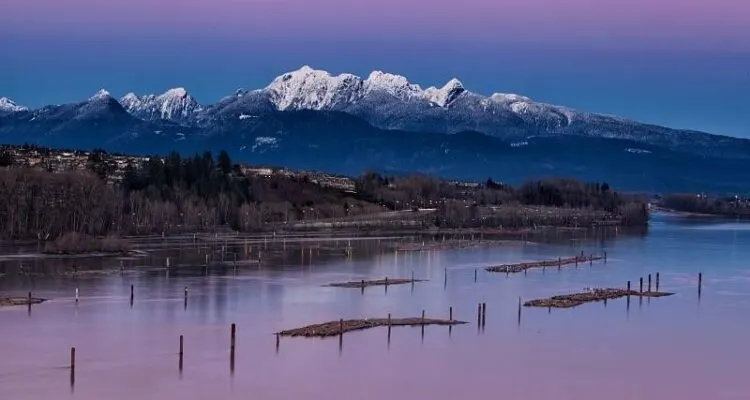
203,193
701,204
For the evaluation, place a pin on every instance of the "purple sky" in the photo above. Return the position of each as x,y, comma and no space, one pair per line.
652,60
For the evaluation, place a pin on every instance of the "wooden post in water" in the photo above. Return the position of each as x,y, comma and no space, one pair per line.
232,339
182,345
628,289
29,298
278,342
450,315
559,263
475,274
641,285
484,314
422,317
657,281
649,283
479,314
700,280
445,274
132,293
519,311
389,328
605,257
341,327
72,365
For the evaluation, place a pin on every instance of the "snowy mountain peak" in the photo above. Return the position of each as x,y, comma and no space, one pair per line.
176,92
101,94
395,85
7,104
445,95
307,88
174,105
509,98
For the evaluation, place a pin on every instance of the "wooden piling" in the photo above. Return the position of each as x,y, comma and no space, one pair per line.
700,280
450,315
628,289
132,293
233,336
484,314
641,285
475,274
341,327
479,314
72,364
657,281
649,282
422,317
559,263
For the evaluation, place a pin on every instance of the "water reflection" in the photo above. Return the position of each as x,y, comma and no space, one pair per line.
127,348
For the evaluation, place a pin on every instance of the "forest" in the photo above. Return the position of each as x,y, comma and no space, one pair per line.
203,193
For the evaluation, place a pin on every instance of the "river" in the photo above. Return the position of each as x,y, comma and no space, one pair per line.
683,346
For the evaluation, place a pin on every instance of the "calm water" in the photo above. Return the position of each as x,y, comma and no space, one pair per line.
675,347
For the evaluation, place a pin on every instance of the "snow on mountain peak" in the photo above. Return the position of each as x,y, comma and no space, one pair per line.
174,104
395,85
509,98
176,92
7,104
101,94
307,88
445,95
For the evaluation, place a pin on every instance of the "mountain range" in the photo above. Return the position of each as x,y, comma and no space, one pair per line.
346,124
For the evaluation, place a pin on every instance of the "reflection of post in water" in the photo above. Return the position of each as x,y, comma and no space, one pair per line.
132,295
278,342
700,284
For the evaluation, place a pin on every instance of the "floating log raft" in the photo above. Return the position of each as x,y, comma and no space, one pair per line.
378,282
335,328
20,301
520,267
576,299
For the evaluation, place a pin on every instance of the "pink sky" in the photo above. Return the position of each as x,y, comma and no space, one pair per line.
717,22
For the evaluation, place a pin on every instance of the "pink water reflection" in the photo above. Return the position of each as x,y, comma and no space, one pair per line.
669,348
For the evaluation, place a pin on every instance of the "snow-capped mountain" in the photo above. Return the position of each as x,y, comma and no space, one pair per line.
9,105
311,118
174,105
311,89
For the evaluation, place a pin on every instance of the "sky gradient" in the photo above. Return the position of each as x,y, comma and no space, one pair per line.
681,63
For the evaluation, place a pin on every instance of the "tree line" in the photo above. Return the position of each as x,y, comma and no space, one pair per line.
199,193
700,204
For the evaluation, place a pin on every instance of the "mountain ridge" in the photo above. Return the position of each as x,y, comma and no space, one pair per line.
346,123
